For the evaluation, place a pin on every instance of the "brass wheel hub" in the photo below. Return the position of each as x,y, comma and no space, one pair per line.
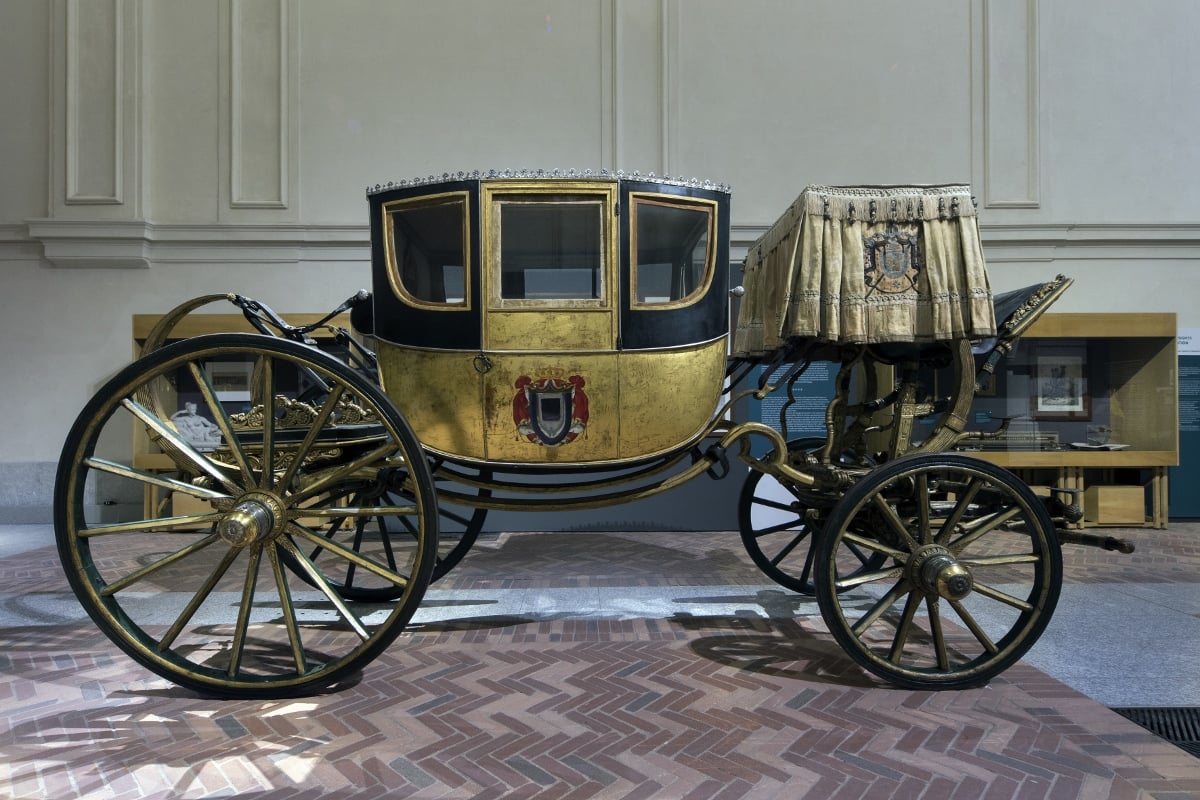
256,517
934,570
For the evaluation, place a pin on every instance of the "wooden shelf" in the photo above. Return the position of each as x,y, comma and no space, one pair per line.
1132,368
1035,459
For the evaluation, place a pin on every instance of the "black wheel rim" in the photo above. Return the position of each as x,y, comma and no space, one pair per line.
205,597
972,574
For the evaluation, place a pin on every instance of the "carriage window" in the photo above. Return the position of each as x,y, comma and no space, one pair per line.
551,249
427,256
672,250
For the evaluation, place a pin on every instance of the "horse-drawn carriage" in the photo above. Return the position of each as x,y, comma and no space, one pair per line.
546,341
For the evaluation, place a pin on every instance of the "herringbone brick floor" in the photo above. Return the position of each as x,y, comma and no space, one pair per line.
575,705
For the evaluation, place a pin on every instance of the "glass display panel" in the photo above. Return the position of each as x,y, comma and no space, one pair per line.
671,260
551,250
428,249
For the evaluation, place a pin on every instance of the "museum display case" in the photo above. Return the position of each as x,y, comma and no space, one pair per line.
1088,402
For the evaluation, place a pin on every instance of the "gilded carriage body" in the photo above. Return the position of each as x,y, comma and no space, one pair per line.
572,320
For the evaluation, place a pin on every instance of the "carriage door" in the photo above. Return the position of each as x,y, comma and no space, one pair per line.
550,320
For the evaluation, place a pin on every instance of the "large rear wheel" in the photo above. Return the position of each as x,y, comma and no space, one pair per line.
774,523
193,553
458,528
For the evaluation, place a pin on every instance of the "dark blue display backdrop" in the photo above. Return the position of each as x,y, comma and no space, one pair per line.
1184,499
806,416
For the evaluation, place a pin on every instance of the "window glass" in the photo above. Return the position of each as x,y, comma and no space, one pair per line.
428,250
550,249
672,250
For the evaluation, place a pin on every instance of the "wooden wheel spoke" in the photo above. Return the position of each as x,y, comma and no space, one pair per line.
150,525
161,481
774,504
787,549
876,611
873,545
453,517
933,608
923,508
335,395
224,423
349,555
353,512
862,557
330,532
267,374
386,540
180,444
197,599
318,580
974,626
137,575
911,604
1003,597
1000,560
874,576
356,547
238,647
893,520
288,610
960,508
336,475
981,527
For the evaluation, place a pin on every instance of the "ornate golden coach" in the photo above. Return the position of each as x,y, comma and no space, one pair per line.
553,341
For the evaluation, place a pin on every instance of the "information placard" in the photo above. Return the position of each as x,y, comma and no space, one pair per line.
805,416
1184,500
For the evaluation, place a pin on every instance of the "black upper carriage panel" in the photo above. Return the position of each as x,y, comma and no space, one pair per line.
430,246
424,256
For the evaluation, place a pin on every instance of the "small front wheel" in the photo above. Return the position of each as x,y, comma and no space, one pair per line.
971,572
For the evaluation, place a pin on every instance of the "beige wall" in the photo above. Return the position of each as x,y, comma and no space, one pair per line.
150,151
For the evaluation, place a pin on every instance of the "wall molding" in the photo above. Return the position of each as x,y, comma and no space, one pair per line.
142,245
133,244
610,83
269,136
96,107
668,15
78,125
1007,103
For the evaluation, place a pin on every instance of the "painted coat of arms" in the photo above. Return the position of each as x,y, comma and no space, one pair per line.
550,411
892,259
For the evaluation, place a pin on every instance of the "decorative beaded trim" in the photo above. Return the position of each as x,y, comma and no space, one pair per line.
561,174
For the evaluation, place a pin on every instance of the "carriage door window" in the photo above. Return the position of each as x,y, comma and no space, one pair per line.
426,251
551,251
672,248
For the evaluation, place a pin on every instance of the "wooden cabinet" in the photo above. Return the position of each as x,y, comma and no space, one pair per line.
1091,400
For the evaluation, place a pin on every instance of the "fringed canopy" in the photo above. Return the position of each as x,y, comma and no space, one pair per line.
867,264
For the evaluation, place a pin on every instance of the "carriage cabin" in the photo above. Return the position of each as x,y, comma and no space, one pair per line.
535,319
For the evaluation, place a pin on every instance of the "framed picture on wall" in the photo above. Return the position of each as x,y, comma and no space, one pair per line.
1060,383
231,380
